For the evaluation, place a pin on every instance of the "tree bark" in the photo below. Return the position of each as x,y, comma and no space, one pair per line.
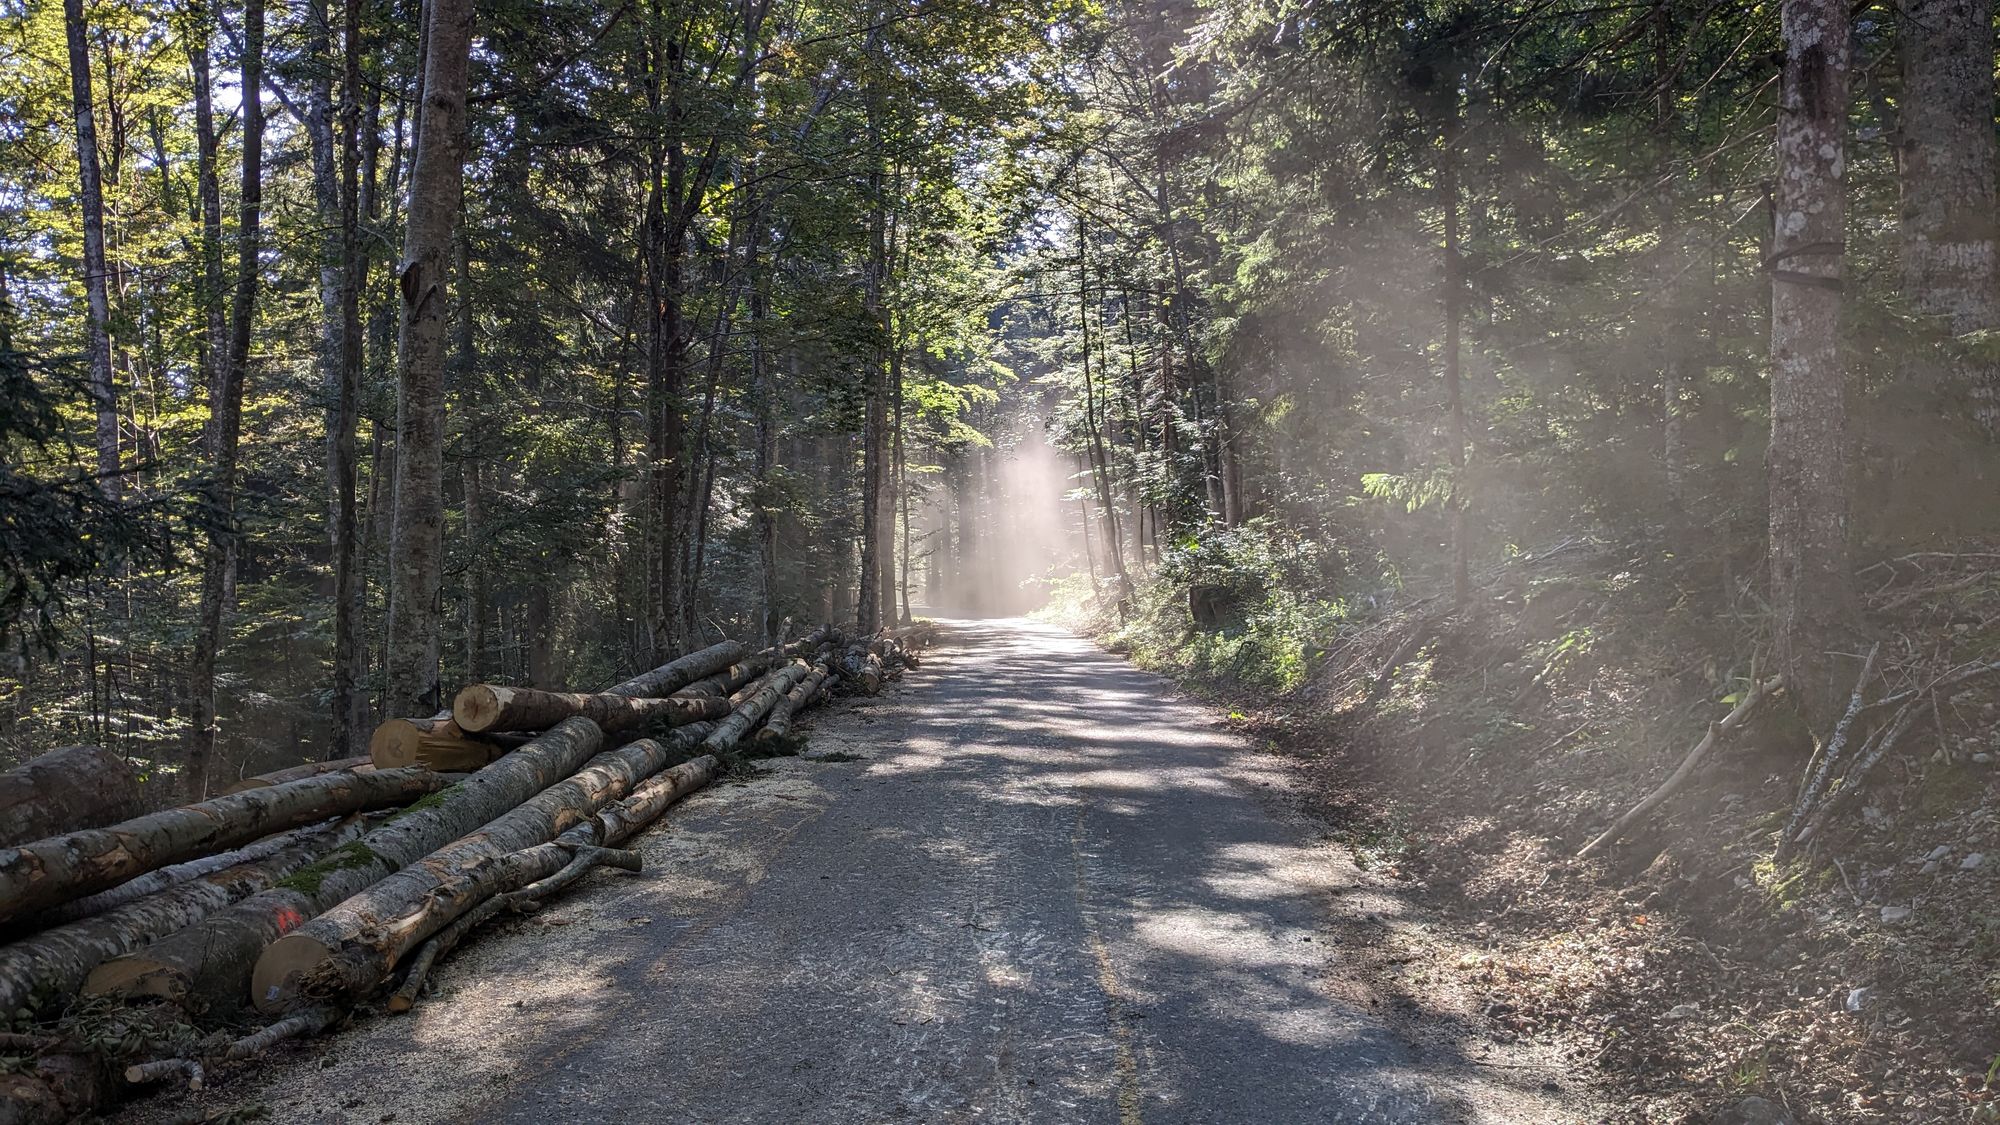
66,790
55,962
677,674
353,947
733,677
297,773
779,724
96,271
225,423
1812,592
1950,267
350,649
752,710
49,872
548,868
487,707
1454,391
208,966
417,541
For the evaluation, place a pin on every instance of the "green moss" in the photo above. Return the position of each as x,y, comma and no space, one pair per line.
352,854
432,801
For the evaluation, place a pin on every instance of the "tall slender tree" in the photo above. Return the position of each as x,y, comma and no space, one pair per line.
1950,259
1812,585
96,269
416,548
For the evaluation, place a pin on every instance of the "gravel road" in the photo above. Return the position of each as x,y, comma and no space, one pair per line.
1031,885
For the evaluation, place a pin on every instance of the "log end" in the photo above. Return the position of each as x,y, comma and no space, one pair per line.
394,744
277,980
478,706
134,976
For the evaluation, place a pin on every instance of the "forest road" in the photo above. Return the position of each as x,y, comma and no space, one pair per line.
1026,884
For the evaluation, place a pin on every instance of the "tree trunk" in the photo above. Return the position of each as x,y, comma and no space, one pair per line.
298,773
752,710
153,882
1950,267
52,871
1812,592
487,707
350,651
1100,467
471,385
54,962
874,425
671,677
779,724
417,541
1454,392
542,870
96,271
225,424
352,948
66,790
729,679
210,964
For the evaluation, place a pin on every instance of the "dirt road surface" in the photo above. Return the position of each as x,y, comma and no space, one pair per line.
1027,884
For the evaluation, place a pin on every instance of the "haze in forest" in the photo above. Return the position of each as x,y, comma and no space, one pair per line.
1459,374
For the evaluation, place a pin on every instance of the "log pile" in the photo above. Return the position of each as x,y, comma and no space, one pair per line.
306,891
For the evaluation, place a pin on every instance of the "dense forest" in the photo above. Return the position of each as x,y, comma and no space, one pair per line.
1492,368
498,341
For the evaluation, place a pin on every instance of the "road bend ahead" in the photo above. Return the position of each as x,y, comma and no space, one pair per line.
1029,886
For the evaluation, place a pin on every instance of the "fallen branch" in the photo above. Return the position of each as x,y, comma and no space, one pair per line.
159,1070
1878,746
1716,730
311,1021
445,940
1818,775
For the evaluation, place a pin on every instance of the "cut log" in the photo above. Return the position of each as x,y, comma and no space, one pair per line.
729,679
779,724
295,773
586,859
351,948
671,677
159,1070
50,965
37,876
752,710
66,790
863,667
485,707
557,864
154,882
207,967
436,742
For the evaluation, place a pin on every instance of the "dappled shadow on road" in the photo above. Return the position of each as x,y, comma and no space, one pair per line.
1044,891
1207,896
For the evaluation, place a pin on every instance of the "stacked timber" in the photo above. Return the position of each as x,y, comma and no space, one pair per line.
305,891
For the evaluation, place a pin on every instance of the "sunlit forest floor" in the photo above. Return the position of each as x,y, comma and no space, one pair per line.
1467,757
